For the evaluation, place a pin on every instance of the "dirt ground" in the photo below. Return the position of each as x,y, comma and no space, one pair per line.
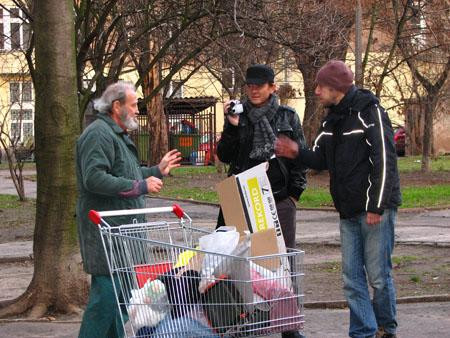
417,270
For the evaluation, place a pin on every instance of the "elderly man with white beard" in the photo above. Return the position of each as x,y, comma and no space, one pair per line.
110,177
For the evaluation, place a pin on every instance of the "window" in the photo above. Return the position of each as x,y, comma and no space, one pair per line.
28,130
15,131
26,92
2,39
18,114
22,111
20,92
14,30
22,124
15,13
14,92
15,35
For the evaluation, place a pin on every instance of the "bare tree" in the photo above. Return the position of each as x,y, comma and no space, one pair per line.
57,280
425,45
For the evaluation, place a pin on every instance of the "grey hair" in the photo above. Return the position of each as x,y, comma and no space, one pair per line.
116,91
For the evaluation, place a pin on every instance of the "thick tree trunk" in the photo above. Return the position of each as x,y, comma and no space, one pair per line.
57,281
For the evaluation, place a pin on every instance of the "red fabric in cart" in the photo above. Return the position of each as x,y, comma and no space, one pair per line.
150,272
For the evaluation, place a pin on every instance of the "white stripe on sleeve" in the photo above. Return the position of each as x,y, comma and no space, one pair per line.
383,178
364,123
356,131
318,138
368,198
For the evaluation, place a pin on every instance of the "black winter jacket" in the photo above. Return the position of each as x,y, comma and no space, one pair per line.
287,178
355,143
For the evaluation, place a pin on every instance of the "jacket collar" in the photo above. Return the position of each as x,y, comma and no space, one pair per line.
114,126
343,107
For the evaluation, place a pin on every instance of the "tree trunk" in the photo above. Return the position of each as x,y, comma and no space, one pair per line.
429,108
313,111
414,126
57,283
157,126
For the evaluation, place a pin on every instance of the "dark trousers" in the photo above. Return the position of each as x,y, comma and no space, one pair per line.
101,318
286,210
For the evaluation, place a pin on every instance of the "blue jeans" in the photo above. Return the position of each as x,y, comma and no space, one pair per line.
367,249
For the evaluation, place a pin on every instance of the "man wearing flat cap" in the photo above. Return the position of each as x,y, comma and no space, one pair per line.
355,144
248,139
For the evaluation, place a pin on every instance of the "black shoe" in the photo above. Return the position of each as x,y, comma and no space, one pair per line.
292,334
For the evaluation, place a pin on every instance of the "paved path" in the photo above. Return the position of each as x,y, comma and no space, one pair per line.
7,185
430,320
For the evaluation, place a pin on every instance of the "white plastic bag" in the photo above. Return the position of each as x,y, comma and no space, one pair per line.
148,305
222,242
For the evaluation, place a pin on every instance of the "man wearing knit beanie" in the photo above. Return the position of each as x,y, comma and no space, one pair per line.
355,144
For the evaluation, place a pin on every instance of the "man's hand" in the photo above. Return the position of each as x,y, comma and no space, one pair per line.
373,219
232,118
285,147
169,161
154,184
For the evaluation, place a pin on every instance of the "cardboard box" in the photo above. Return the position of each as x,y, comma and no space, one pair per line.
248,204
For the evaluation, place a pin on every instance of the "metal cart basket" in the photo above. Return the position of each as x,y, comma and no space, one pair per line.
167,286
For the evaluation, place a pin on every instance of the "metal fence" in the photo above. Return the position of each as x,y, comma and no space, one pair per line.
191,124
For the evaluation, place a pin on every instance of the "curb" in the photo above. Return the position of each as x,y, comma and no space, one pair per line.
342,304
16,259
22,259
39,320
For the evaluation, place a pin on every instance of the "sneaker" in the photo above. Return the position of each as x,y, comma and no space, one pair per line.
383,334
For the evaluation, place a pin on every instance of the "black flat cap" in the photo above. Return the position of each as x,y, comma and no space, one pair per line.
259,74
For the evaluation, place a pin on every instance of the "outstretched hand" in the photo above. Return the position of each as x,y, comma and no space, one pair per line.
169,161
285,147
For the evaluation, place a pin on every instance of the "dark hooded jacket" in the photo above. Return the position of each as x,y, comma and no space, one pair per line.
356,144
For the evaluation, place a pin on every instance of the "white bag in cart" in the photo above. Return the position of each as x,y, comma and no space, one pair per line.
222,242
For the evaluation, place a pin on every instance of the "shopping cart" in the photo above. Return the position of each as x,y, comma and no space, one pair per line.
166,286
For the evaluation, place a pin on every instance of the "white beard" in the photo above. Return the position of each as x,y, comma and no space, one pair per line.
131,124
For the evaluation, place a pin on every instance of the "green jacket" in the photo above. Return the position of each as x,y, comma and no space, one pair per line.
109,177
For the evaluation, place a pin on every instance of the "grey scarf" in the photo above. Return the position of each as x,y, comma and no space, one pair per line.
263,138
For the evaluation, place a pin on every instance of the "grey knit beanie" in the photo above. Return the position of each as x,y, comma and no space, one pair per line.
335,74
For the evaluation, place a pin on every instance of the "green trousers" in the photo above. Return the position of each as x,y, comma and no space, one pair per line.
101,318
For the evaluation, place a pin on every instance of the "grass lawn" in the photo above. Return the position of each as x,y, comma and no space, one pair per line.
9,202
198,183
413,163
26,166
